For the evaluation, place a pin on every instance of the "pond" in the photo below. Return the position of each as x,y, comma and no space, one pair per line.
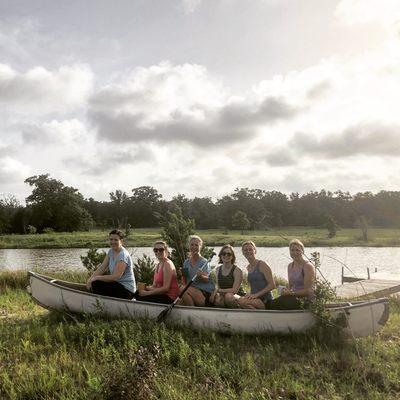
356,260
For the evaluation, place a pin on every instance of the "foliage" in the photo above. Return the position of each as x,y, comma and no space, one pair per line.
31,230
143,269
54,205
332,226
326,327
92,259
176,232
240,221
363,224
48,355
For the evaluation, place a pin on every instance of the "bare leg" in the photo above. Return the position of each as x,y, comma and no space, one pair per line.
245,302
219,300
231,300
193,297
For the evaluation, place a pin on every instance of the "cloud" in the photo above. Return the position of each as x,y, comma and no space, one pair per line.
64,132
190,6
168,103
101,162
371,139
385,12
12,170
43,90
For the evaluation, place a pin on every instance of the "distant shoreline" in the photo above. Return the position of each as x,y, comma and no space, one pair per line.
312,237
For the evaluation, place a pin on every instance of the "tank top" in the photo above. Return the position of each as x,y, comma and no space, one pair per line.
173,290
258,282
296,280
296,277
226,281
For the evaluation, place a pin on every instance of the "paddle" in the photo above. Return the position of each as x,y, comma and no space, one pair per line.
164,313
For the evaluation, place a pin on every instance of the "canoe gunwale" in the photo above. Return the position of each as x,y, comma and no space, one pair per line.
344,306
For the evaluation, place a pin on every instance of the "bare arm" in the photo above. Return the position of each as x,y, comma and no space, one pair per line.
266,271
309,283
118,272
168,272
100,270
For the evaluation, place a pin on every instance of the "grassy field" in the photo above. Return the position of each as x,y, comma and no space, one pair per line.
48,355
214,237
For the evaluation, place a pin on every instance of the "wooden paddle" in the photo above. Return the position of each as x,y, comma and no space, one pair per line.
164,313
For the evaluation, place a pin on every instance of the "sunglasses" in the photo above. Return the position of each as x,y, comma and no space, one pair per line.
158,249
226,253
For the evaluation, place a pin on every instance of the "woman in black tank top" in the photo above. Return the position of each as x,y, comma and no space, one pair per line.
229,279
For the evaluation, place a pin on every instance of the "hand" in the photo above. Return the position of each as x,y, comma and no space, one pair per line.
143,292
286,292
250,296
89,282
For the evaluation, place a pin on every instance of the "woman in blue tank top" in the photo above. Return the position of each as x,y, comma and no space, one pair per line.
260,279
114,276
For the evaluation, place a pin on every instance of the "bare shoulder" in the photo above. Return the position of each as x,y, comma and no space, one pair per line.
237,271
264,266
169,264
309,267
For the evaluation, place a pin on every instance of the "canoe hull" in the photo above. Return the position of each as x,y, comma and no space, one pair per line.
363,318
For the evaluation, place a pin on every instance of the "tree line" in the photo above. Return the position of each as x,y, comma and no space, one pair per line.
54,206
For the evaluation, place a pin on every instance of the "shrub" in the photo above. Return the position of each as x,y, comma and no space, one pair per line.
93,258
143,269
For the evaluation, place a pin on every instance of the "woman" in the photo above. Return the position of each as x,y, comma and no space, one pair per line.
260,279
197,266
301,277
114,276
165,285
229,280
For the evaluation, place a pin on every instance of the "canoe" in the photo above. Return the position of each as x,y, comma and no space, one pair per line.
361,318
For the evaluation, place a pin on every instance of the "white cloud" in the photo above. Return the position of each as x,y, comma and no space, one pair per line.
168,103
53,132
384,12
45,91
190,6
12,170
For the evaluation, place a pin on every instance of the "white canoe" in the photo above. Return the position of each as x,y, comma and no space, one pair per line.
362,318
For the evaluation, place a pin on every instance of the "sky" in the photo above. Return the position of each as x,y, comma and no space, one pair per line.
199,97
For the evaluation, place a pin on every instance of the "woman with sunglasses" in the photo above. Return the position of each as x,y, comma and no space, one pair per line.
114,276
229,279
165,287
260,279
197,266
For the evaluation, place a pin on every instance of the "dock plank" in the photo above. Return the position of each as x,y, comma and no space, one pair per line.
368,288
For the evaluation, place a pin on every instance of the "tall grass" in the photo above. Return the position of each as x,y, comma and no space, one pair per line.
48,355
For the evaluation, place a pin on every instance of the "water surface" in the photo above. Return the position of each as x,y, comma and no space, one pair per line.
356,260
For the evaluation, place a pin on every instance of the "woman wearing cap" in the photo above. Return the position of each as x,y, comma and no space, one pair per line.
114,276
301,277
197,266
229,280
165,284
260,279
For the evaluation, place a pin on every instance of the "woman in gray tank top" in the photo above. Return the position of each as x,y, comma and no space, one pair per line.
260,279
229,280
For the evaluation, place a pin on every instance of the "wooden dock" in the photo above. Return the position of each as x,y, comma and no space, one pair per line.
367,288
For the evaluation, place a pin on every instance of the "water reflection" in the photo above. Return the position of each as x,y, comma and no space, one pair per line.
356,259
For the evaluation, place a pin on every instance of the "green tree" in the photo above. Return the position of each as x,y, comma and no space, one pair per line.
240,221
176,232
332,226
54,205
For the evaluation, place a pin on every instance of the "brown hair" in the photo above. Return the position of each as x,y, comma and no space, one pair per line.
227,246
117,232
250,242
163,244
